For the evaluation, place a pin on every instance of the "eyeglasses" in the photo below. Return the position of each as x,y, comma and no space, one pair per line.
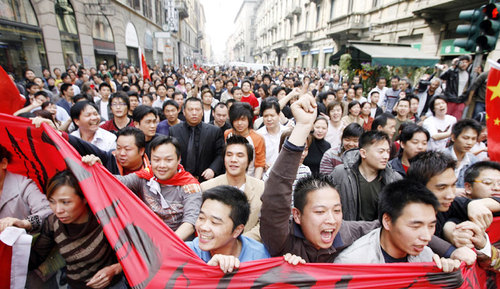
119,104
488,182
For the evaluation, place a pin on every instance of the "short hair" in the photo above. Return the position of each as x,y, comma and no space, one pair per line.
76,110
239,110
380,78
472,172
163,140
462,124
428,164
395,196
29,85
358,86
309,184
270,103
404,99
277,90
372,136
333,104
141,111
232,197
351,104
352,130
5,154
411,129
395,77
104,84
170,102
381,120
65,87
433,101
207,91
237,139
221,105
140,138
235,88
246,80
192,99
177,93
63,178
42,92
148,96
122,95
83,96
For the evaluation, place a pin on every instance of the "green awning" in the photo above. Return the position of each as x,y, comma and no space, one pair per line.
392,55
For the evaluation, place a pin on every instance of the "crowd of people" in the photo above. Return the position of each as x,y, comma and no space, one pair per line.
246,165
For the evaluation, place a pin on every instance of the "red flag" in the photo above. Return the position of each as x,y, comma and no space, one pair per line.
144,68
493,111
10,100
152,256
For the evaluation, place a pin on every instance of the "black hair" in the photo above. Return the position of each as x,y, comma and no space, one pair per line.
104,84
333,104
207,91
140,138
122,95
395,77
309,184
352,130
462,124
237,139
235,88
372,136
63,178
163,140
42,92
358,86
76,110
428,164
351,104
65,87
270,103
277,90
148,96
83,96
433,101
381,120
404,99
232,197
192,99
239,110
380,78
141,111
472,172
5,154
411,129
395,196
170,102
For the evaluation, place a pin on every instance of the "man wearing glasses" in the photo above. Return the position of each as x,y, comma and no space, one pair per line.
119,104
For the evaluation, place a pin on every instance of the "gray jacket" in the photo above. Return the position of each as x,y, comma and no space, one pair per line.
367,250
346,182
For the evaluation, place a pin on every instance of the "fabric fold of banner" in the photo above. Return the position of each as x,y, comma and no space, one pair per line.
152,256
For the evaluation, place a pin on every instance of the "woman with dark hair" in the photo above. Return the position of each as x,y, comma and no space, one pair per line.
318,145
353,112
181,84
365,115
333,156
75,231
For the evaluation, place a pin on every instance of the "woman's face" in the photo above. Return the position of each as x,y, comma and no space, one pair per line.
366,110
52,108
336,113
68,207
320,129
355,110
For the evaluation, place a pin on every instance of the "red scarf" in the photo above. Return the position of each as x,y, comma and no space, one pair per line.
181,178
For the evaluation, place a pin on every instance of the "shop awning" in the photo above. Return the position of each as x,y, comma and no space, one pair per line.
105,51
392,55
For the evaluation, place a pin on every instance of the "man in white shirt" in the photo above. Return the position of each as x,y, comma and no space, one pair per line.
272,129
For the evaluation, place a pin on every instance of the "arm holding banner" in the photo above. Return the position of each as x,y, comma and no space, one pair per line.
277,196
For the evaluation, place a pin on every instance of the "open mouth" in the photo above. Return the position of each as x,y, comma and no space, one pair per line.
327,236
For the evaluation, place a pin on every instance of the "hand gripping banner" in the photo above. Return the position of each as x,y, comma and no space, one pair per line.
152,256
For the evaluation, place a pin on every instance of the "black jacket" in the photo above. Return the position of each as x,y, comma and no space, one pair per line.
210,148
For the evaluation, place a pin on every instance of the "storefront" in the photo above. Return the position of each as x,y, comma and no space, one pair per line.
21,39
70,42
104,45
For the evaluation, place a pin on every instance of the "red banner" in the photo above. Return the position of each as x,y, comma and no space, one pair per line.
492,100
11,100
152,256
144,68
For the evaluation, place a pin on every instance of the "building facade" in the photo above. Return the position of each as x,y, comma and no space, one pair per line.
308,33
242,42
57,33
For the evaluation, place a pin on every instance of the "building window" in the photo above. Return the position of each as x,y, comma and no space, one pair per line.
66,22
375,3
332,9
158,12
136,4
350,6
18,11
102,29
147,9
318,15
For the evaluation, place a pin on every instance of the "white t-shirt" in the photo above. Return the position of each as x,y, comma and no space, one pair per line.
434,126
334,135
272,143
